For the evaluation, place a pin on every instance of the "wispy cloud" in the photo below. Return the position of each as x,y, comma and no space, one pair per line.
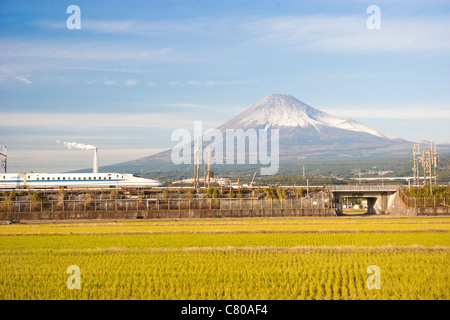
100,121
75,51
156,28
211,83
349,34
23,79
399,112
323,33
9,73
188,105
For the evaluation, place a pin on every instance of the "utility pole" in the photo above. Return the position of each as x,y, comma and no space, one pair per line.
196,167
435,163
209,169
429,165
424,167
206,157
416,151
4,163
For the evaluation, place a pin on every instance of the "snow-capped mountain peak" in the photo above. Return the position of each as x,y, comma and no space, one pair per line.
284,111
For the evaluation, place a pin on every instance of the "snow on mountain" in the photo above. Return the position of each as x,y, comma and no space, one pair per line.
284,111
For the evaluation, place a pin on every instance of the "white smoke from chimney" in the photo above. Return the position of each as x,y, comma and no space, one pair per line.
76,145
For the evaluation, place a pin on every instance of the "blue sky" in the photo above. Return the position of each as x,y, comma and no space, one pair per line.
137,70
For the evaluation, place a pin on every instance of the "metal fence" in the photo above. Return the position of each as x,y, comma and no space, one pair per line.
426,202
148,208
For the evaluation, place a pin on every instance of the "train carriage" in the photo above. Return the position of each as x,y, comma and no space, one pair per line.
73,180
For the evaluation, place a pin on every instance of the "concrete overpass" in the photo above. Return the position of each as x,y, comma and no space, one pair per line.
377,196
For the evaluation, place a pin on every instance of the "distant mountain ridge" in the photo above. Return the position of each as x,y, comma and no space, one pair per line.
304,133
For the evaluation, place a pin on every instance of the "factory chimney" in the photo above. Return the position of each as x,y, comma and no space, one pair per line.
95,166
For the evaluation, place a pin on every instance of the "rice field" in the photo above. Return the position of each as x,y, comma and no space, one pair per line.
264,259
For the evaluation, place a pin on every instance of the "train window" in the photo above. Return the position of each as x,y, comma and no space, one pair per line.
95,178
64,178
48,178
109,178
89,178
53,178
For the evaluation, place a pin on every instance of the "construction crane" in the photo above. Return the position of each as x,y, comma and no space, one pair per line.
251,183
253,179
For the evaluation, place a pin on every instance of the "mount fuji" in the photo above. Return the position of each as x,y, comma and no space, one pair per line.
307,132
284,111
304,133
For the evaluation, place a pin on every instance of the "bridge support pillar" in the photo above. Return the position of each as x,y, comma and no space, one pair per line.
371,205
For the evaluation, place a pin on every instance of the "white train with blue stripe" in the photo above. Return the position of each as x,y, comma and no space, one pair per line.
73,180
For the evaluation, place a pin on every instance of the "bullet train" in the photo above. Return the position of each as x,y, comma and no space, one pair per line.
73,180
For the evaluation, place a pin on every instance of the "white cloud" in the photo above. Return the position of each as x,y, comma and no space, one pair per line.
186,83
400,112
131,82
